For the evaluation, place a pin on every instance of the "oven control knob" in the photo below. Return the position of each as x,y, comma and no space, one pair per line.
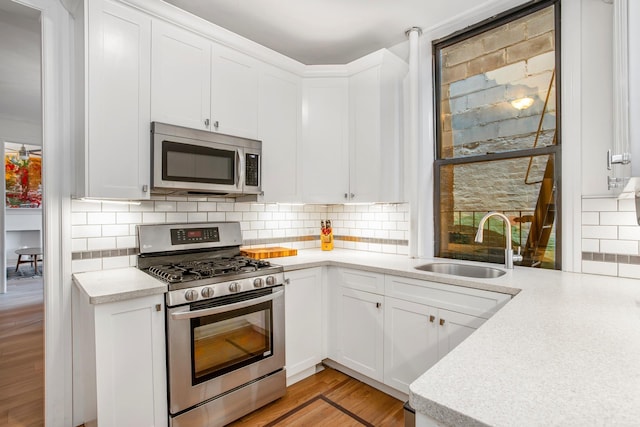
258,283
271,281
234,287
206,292
191,295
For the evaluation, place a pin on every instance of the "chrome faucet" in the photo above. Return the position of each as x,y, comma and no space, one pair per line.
509,257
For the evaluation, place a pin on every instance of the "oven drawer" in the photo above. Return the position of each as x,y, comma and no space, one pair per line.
231,406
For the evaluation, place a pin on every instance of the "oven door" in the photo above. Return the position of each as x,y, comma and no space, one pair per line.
217,345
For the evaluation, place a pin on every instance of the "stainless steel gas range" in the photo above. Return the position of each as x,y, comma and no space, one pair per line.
225,321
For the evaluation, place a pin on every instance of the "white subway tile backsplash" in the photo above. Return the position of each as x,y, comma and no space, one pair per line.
196,217
209,206
101,218
124,242
590,245
84,206
627,205
78,245
144,206
114,207
629,270
129,217
216,216
599,232
590,218
249,216
627,247
600,205
629,233
82,265
177,216
99,243
115,262
188,207
86,231
618,218
115,230
154,217
78,218
603,268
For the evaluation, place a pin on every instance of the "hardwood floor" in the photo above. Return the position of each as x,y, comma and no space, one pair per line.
328,398
22,354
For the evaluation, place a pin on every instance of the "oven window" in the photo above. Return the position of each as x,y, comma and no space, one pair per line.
193,163
224,342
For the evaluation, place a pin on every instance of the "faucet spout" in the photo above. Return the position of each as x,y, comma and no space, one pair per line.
509,257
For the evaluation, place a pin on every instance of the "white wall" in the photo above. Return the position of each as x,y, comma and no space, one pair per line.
597,95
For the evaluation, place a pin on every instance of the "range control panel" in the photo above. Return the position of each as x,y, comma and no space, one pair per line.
182,236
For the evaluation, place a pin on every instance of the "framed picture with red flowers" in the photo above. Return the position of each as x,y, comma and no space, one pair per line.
23,177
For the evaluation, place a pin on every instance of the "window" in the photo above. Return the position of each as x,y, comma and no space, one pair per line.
498,137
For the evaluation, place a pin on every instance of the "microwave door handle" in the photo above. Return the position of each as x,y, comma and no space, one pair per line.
240,169
181,315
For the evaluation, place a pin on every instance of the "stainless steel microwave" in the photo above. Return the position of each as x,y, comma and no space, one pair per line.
191,161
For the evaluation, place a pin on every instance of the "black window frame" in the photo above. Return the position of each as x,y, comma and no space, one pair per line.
555,150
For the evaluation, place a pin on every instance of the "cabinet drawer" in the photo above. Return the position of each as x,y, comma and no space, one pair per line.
455,298
361,280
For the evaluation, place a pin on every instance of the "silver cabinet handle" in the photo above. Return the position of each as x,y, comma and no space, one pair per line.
353,195
215,124
378,304
206,122
145,188
346,196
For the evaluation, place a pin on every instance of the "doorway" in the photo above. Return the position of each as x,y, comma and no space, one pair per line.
21,288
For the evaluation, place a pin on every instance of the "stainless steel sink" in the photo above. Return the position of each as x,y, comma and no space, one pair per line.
462,270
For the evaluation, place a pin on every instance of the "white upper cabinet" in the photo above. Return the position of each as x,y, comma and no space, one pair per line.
375,148
325,173
199,84
279,130
180,77
113,155
351,133
234,93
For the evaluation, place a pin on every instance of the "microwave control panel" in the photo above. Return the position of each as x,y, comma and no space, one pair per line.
251,169
182,236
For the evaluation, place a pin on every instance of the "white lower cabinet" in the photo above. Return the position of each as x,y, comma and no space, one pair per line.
360,332
417,336
393,329
411,345
119,352
303,321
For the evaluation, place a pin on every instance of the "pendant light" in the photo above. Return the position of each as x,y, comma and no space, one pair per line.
23,153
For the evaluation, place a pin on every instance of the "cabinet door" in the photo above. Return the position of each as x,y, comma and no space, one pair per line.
278,120
455,327
117,147
365,162
180,77
325,164
411,342
234,93
360,332
303,320
130,363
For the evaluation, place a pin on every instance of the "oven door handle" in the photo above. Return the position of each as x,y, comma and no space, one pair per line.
181,315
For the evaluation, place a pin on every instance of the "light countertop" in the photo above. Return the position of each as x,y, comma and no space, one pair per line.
564,351
119,284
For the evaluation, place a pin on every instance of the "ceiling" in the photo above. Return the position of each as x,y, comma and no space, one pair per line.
325,31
